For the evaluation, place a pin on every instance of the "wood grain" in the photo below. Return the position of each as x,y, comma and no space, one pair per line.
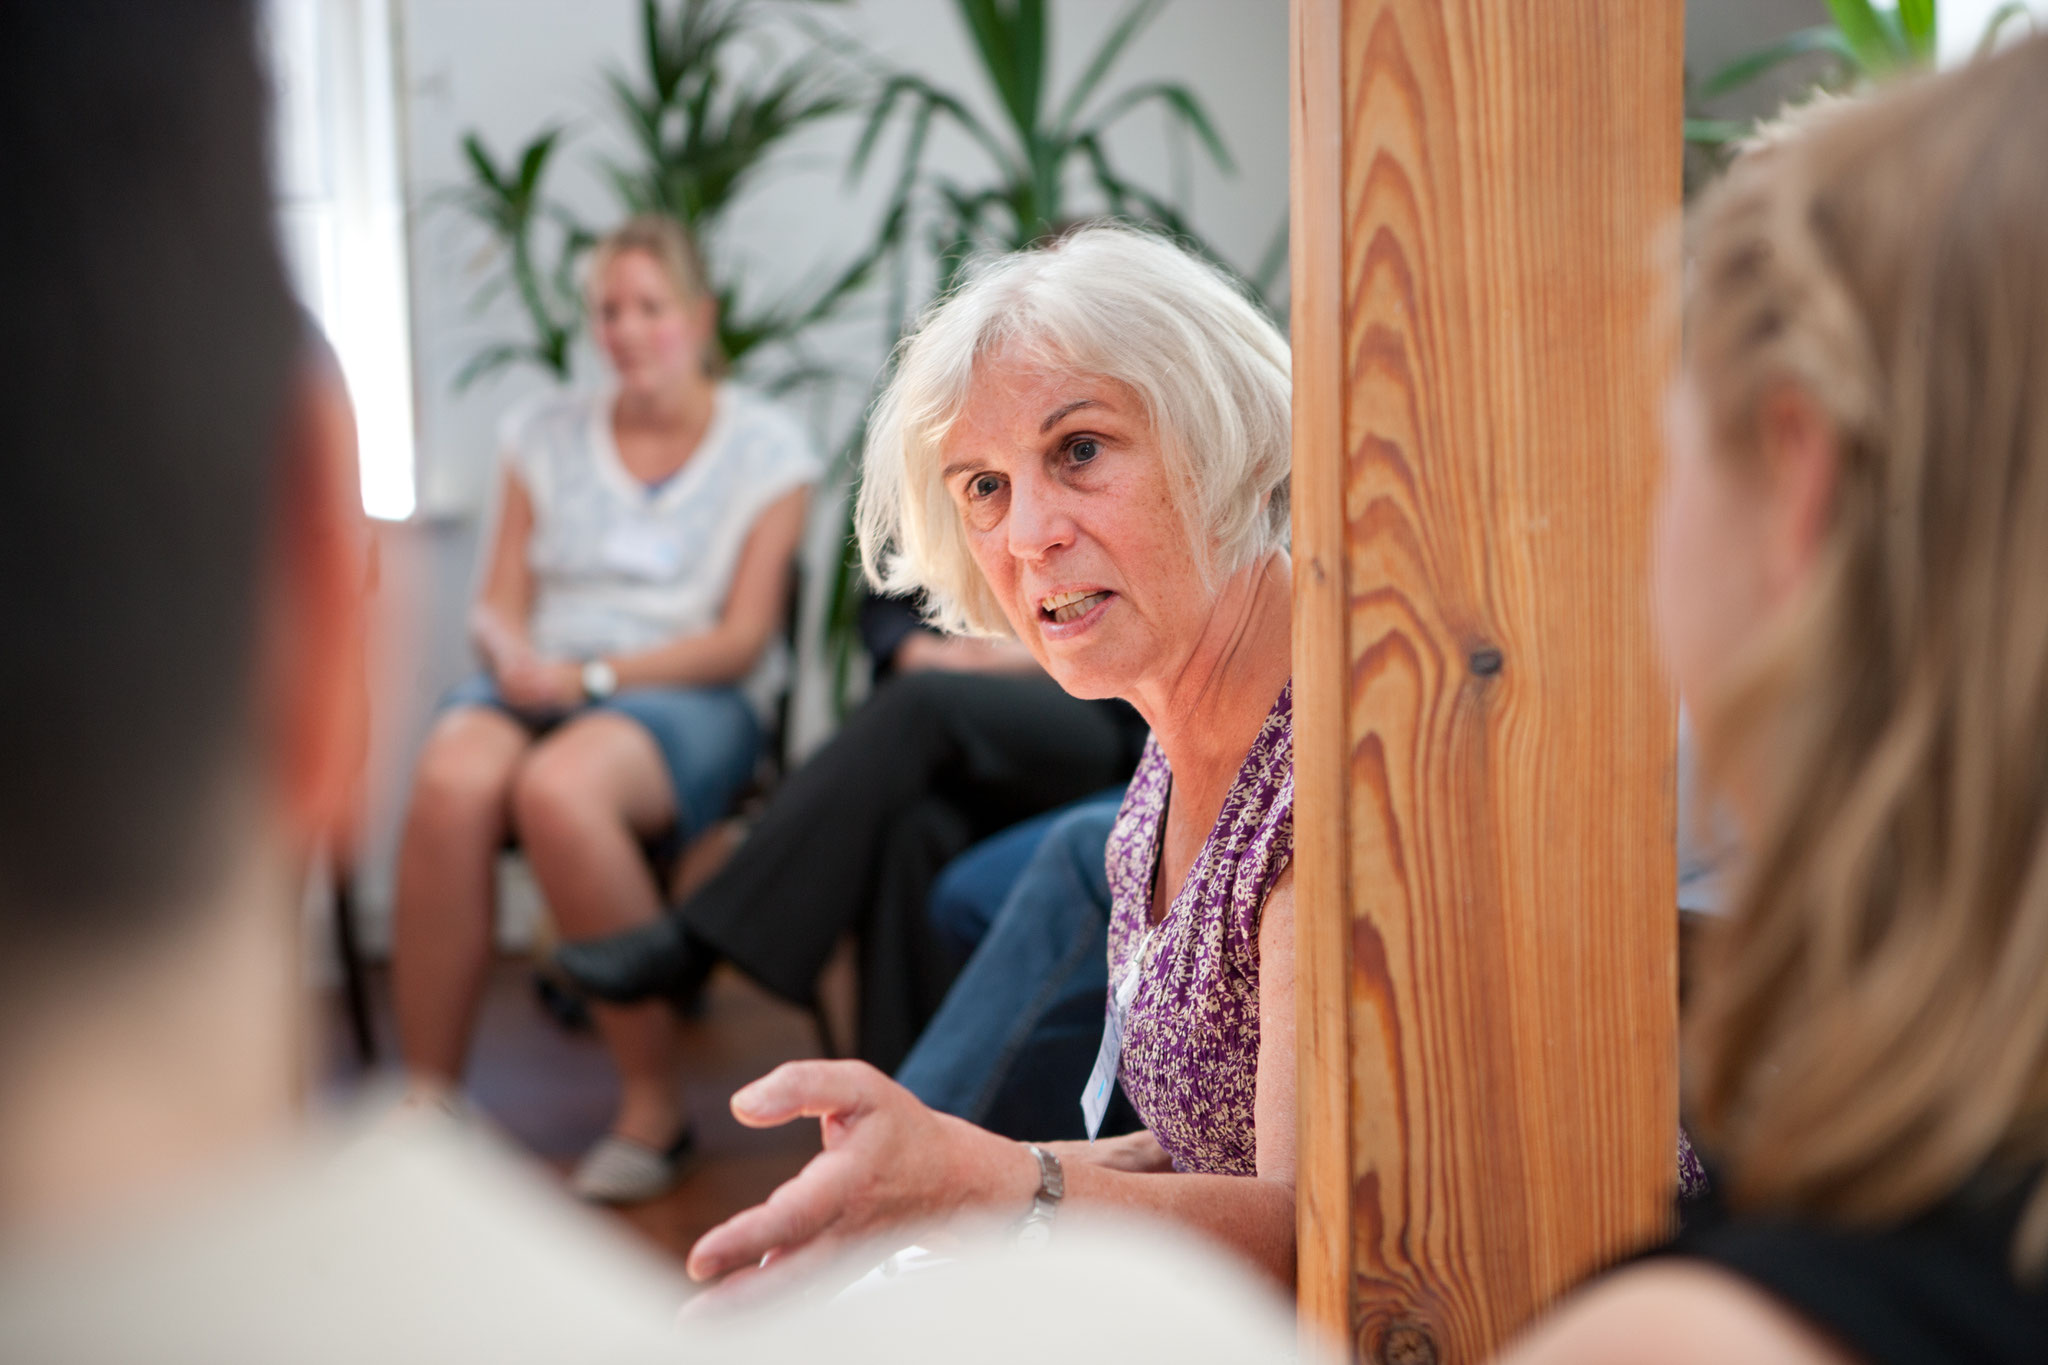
1483,742
1321,665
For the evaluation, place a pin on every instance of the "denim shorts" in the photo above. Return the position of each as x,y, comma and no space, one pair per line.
709,737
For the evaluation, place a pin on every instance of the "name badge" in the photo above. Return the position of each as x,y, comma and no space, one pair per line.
1108,1057
644,552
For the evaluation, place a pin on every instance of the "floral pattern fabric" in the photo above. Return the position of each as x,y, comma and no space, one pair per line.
1191,1038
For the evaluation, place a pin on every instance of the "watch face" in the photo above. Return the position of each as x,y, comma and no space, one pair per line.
1035,1233
599,679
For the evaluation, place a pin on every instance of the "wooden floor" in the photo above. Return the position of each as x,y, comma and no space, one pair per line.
553,1091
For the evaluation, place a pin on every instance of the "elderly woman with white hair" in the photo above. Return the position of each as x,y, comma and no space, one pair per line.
1087,447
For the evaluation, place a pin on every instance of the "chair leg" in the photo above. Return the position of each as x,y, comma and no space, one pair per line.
348,952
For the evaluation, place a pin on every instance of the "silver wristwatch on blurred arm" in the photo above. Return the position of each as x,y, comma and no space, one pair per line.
1036,1227
600,680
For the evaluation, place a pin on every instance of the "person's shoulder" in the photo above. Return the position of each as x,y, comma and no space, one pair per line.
362,1242
1675,1312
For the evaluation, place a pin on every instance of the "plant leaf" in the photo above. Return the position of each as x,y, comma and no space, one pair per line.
1180,102
2000,17
533,161
480,162
643,117
651,44
1917,23
1717,132
1114,191
1740,72
490,360
1869,37
999,37
871,130
1134,18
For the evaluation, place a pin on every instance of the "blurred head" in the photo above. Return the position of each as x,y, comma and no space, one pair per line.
1081,446
649,308
180,551
1853,550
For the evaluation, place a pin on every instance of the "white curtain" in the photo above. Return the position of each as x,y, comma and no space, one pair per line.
341,215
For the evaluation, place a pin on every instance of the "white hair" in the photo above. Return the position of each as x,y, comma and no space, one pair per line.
1115,302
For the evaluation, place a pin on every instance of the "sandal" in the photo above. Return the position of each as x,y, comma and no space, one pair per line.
619,1170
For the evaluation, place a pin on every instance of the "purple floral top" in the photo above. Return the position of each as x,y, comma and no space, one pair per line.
1191,1039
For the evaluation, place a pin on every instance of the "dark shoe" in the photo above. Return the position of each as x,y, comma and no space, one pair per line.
561,1001
658,959
621,1171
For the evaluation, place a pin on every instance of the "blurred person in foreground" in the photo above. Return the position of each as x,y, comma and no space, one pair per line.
1852,586
181,544
629,630
181,567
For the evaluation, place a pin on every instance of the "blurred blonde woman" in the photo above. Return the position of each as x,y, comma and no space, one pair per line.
628,631
1853,588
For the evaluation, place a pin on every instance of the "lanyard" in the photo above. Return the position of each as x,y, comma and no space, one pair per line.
1102,1081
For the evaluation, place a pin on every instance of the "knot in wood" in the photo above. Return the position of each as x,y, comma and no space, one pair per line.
1486,661
1406,1343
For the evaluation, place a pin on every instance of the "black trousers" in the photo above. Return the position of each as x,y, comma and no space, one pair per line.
855,837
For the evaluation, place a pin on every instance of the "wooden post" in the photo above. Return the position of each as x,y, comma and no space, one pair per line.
1483,742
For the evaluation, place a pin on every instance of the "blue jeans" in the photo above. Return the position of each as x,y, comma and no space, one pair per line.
708,736
970,892
1013,1043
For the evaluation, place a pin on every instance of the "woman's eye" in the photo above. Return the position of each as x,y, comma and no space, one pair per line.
1081,452
985,486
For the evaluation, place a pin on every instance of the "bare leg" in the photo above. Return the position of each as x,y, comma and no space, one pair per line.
447,892
582,803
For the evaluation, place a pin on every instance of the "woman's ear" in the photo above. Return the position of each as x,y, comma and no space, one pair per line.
1802,460
316,692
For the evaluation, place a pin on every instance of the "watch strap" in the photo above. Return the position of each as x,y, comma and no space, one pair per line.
1036,1226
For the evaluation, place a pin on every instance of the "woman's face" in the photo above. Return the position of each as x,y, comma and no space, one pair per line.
1711,578
1069,511
653,336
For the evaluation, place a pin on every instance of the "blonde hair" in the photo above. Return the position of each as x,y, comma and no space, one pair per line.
1870,1032
1209,367
662,238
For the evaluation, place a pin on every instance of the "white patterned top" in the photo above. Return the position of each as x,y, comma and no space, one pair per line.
619,566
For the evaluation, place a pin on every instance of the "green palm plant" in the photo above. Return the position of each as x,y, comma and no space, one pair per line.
1037,151
702,134
540,245
703,124
1862,43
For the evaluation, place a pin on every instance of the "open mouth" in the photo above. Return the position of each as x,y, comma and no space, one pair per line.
1062,607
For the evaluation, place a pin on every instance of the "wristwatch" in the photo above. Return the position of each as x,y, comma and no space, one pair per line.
600,680
1036,1227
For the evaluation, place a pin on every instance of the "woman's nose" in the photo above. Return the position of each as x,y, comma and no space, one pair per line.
1039,521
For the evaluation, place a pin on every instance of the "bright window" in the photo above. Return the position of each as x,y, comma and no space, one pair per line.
341,216
1963,21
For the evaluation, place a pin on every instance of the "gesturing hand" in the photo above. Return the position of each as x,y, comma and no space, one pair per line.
888,1162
